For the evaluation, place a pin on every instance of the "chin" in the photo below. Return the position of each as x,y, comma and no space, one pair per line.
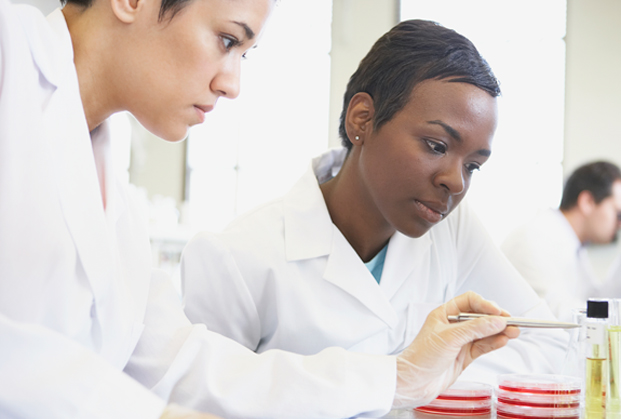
414,232
171,136
176,139
167,131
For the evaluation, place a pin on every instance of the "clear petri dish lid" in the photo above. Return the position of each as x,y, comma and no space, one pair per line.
538,400
511,411
544,384
464,398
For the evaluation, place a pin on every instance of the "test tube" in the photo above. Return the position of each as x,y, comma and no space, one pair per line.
613,389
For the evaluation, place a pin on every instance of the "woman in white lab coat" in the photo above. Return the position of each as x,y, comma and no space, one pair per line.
356,256
87,329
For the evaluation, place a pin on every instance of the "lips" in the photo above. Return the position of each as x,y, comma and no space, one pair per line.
201,110
204,108
431,211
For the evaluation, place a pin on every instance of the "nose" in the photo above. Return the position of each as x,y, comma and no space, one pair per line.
226,81
452,179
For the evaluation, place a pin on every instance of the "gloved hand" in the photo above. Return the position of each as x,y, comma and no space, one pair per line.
173,411
442,350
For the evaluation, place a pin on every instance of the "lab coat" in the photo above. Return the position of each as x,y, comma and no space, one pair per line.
549,255
88,329
283,276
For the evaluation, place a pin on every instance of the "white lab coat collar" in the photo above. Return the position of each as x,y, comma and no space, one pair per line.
115,205
406,258
308,227
71,154
77,181
328,164
571,238
50,43
310,233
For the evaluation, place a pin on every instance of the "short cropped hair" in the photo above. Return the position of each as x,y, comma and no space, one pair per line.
411,52
596,177
171,7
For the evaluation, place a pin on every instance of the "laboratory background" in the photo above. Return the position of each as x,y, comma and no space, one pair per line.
558,62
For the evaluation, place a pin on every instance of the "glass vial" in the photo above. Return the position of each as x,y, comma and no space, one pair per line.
597,359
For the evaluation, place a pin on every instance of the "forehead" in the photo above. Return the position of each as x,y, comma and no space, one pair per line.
463,106
250,13
445,95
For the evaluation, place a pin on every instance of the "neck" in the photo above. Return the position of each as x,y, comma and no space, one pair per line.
91,55
354,212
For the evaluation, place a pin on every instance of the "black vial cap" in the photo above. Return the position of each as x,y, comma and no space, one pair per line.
597,309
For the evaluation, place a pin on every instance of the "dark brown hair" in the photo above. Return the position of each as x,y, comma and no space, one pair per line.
411,52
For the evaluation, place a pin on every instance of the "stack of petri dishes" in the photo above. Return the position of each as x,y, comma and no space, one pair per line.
464,398
538,396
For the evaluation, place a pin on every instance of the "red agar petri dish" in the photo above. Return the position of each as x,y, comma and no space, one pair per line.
511,411
539,400
546,384
538,396
464,398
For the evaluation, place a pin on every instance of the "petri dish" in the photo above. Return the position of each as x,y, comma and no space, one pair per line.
464,398
543,384
511,411
565,401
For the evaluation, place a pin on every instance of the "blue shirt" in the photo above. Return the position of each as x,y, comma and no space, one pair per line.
376,265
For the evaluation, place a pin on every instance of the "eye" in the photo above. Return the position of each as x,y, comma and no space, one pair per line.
229,42
436,147
471,167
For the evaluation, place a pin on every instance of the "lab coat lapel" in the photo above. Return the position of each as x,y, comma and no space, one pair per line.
310,233
406,258
72,154
84,214
73,166
78,187
346,270
308,227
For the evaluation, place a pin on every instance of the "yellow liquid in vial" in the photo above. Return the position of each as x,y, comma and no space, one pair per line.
595,396
613,393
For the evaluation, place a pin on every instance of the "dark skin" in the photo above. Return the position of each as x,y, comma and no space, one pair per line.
412,172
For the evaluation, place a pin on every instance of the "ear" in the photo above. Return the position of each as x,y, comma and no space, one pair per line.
586,202
127,10
359,117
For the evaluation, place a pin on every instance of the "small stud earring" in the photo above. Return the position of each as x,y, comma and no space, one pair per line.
357,138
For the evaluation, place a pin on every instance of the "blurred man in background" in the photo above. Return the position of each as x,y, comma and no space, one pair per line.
549,251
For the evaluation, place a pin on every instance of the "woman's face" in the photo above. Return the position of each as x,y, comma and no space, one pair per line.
178,68
418,166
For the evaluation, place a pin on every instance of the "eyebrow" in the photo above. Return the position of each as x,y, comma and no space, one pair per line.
457,136
246,28
449,129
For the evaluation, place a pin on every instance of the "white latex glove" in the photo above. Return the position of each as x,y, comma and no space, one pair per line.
173,411
442,350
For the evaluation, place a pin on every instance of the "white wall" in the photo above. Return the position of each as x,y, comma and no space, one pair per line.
356,25
593,94
593,82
